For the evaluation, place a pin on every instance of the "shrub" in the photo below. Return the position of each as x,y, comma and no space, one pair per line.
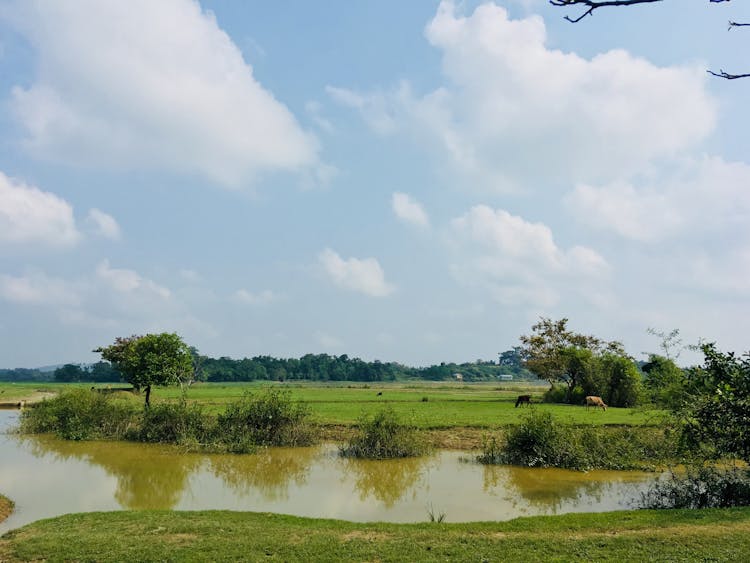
80,414
539,441
384,436
176,423
270,419
702,487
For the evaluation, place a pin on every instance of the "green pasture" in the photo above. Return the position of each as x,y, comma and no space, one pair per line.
426,404
667,535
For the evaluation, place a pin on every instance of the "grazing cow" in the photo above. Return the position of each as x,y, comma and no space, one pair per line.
380,393
593,401
523,400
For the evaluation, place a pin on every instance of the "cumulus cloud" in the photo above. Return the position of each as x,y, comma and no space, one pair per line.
150,84
409,210
30,215
39,289
129,281
706,195
518,260
513,110
104,224
249,298
355,274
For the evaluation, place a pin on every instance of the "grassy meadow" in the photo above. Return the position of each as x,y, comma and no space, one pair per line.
666,535
427,405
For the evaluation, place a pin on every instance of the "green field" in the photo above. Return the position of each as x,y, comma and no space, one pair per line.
678,535
427,405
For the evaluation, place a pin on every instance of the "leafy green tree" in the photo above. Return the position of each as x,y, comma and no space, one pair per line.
69,373
553,352
152,359
624,386
665,383
718,412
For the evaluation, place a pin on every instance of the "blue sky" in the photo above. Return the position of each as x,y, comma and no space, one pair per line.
404,181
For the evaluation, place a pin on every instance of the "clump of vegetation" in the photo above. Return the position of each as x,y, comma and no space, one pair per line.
6,507
384,436
81,414
702,487
271,419
176,423
540,441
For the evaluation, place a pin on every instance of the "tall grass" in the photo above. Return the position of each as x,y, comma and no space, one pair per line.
384,436
80,414
540,441
269,419
266,419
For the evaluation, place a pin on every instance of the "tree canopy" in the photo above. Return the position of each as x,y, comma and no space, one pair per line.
151,359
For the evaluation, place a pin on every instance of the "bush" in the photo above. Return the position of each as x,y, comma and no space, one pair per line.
559,394
702,487
176,423
271,419
539,441
80,414
384,436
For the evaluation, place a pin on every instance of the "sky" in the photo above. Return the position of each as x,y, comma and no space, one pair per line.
416,181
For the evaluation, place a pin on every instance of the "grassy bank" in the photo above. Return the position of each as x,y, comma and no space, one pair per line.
6,507
681,535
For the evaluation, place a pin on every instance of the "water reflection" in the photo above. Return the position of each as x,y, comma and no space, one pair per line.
270,472
389,480
147,476
48,477
554,489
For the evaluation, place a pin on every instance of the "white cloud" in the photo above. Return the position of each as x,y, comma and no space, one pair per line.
513,111
409,210
697,196
129,281
150,85
249,298
104,224
328,341
29,215
38,289
517,260
361,275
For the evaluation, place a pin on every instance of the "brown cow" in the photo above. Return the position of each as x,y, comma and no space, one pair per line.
593,401
523,400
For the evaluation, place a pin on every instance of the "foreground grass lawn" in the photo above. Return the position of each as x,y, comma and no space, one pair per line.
701,535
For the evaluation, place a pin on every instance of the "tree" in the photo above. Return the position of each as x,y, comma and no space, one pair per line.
591,5
665,382
718,413
69,373
152,359
553,352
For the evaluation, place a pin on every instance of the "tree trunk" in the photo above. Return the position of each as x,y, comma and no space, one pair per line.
148,396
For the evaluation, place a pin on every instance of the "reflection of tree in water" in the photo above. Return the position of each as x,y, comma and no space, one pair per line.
147,476
553,488
387,480
270,471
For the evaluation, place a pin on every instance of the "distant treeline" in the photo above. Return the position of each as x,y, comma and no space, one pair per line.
25,374
323,367
311,367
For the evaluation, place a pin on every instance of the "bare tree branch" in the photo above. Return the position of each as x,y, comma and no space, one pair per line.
722,74
592,5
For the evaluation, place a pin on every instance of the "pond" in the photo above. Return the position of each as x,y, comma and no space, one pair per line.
47,477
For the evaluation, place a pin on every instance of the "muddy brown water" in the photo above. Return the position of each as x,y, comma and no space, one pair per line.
48,477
